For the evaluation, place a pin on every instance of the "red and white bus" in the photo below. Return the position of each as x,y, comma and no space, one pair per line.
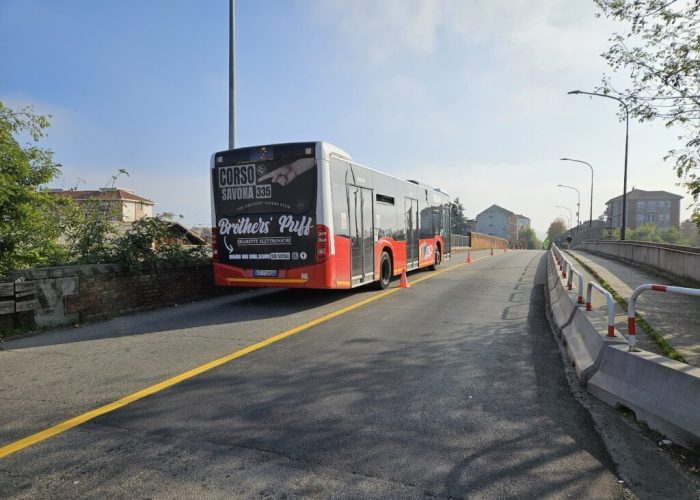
305,215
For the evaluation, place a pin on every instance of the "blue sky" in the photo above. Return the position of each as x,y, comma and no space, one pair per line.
468,96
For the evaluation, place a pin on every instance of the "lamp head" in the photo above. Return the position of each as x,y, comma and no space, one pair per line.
574,92
564,159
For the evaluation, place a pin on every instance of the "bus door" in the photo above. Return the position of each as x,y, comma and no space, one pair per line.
361,229
411,207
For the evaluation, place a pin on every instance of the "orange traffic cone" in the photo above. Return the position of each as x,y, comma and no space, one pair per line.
491,250
469,256
404,282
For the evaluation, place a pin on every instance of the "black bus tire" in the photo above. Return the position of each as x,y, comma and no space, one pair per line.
438,259
384,271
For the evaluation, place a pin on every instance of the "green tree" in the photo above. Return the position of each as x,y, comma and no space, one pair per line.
528,239
654,234
691,232
89,232
459,222
556,228
661,54
29,229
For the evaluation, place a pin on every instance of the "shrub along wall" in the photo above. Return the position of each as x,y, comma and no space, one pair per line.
77,294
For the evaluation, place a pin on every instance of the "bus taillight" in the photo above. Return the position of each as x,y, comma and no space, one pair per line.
214,251
323,243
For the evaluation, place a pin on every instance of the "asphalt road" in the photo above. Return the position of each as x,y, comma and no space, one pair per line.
451,388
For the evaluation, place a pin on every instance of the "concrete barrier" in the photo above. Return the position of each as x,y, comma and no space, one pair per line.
663,393
563,307
559,301
586,338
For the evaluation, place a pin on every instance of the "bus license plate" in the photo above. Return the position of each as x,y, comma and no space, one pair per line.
268,273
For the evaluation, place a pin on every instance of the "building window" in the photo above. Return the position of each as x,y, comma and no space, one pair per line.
640,206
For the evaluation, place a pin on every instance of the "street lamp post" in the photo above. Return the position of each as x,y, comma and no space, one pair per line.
627,134
590,213
578,204
231,75
570,214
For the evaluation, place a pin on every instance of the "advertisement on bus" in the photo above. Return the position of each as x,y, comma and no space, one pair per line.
264,200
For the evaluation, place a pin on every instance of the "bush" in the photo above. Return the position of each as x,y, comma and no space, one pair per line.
151,241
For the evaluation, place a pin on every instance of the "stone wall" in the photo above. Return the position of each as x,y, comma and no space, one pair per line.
77,294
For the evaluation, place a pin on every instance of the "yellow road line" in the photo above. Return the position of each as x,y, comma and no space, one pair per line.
110,407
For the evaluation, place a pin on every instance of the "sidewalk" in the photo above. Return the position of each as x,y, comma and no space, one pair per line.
674,317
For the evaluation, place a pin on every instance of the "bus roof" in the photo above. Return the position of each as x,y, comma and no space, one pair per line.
328,149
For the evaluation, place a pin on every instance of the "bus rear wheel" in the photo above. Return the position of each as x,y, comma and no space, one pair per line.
384,271
438,259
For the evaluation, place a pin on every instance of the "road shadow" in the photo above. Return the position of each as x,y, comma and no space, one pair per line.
246,305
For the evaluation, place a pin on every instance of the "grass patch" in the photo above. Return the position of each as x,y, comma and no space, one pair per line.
668,350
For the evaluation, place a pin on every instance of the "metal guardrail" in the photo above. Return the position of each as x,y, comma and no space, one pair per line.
631,326
572,271
567,269
459,240
611,306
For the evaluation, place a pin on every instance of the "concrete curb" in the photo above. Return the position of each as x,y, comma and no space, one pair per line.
663,393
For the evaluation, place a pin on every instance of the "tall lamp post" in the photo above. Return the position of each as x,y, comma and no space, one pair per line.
231,75
590,213
627,135
570,214
578,203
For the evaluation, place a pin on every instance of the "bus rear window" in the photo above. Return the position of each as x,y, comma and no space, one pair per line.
286,185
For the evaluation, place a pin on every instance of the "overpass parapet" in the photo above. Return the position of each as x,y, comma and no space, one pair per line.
679,263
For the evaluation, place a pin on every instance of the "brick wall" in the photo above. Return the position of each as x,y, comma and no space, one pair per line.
77,294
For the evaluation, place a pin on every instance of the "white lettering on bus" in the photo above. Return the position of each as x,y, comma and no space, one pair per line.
237,175
239,193
243,226
289,224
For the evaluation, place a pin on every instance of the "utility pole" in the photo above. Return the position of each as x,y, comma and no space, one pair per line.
231,75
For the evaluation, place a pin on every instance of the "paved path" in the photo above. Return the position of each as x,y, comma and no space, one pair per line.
675,317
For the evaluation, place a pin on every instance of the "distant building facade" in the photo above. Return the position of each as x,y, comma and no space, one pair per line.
124,205
660,208
497,221
523,222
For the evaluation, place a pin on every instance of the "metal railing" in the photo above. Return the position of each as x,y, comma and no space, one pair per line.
611,305
568,271
459,240
631,326
572,271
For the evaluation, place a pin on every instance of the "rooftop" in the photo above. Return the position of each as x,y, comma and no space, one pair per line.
103,194
637,194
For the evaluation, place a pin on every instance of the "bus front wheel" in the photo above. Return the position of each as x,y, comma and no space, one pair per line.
384,271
